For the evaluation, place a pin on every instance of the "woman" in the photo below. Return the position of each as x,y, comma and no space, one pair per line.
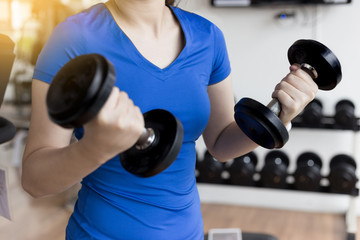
165,58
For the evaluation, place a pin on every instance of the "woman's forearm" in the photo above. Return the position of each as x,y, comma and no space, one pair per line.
231,143
49,171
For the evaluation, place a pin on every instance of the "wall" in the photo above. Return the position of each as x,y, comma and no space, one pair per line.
258,43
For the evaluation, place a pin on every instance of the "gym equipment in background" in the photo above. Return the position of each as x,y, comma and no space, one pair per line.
242,170
80,89
7,57
345,113
209,169
308,172
272,3
235,234
342,176
275,170
261,123
197,173
344,117
313,113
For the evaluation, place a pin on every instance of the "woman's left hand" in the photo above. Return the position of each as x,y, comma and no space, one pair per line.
294,92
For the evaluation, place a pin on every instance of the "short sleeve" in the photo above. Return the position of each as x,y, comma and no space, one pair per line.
221,62
64,43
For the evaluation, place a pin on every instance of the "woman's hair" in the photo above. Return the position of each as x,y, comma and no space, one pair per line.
169,2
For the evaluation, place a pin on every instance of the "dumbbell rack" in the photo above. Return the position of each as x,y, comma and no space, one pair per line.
329,122
237,192
326,122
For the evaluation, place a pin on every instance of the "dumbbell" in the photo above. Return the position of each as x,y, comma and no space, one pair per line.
345,113
275,170
210,170
78,92
7,56
312,113
342,176
261,123
308,172
242,169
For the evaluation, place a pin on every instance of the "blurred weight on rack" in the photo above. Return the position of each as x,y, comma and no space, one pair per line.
242,170
197,164
7,57
312,113
308,172
342,177
209,169
345,113
275,170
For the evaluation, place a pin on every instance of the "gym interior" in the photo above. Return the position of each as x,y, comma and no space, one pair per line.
305,189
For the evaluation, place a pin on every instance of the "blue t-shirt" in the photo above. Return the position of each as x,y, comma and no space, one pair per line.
112,203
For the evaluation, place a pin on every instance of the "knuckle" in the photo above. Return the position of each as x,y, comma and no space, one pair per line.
312,95
281,84
290,77
122,124
138,111
101,119
293,107
303,102
123,94
115,91
281,93
308,96
130,102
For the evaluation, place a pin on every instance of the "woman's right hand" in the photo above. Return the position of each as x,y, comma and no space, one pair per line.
116,127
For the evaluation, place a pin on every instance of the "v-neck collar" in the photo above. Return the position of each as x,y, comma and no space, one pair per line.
134,53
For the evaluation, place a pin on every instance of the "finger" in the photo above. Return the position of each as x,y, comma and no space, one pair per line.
123,100
286,91
111,102
302,81
292,100
127,113
290,105
120,109
139,118
294,67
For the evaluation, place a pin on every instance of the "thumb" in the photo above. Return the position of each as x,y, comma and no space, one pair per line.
295,67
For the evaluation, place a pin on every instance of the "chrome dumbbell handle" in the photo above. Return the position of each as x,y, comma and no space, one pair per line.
146,139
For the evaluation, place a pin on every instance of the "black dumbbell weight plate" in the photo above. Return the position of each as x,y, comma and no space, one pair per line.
310,158
321,58
242,169
308,172
210,169
345,113
7,130
161,154
79,90
274,172
312,113
260,124
342,175
340,159
278,157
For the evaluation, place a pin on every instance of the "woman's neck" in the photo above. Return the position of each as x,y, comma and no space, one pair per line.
151,26
148,15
